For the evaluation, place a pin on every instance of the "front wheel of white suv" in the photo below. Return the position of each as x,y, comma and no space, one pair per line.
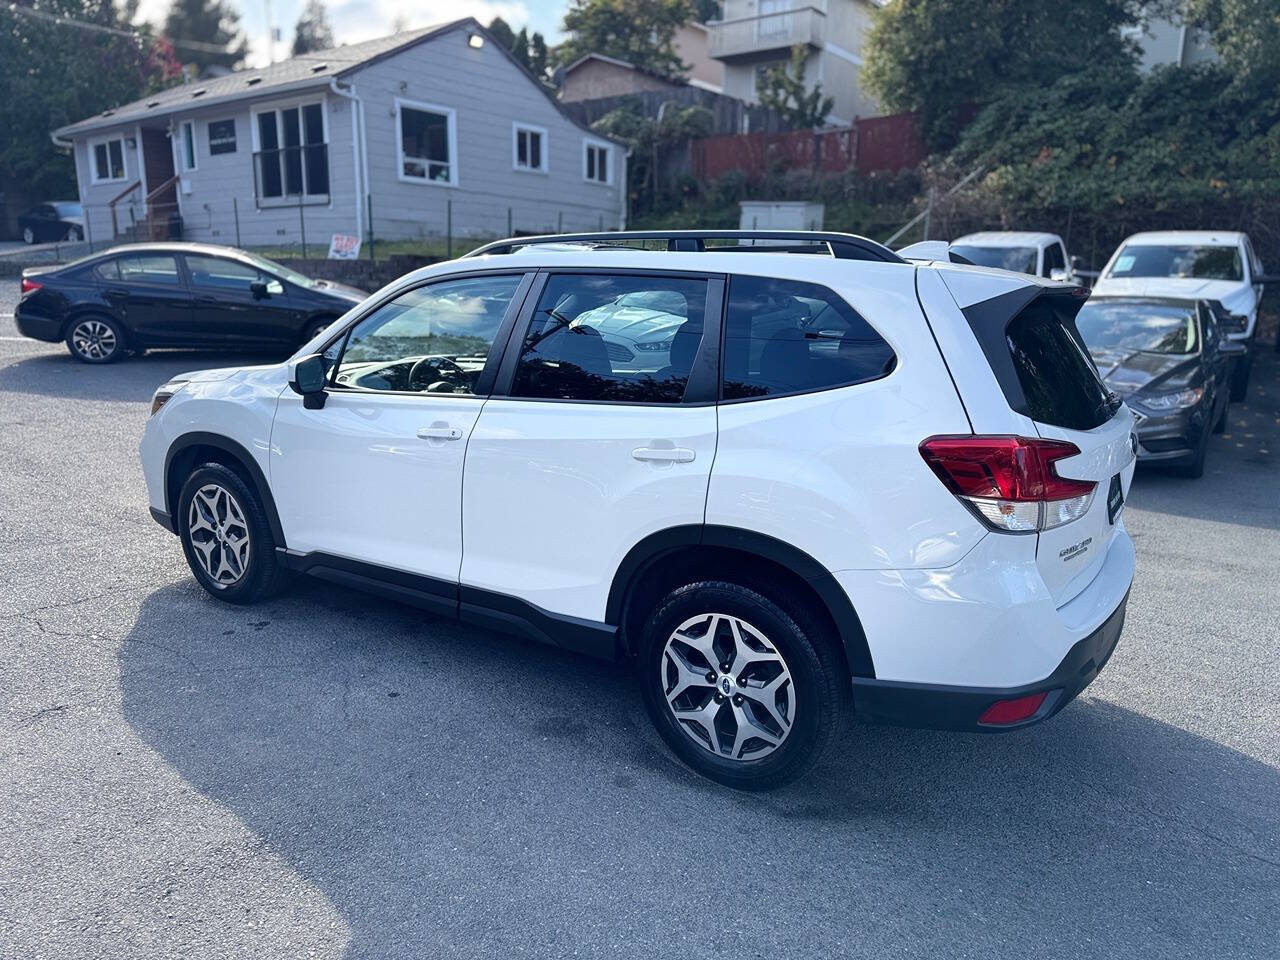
226,536
743,691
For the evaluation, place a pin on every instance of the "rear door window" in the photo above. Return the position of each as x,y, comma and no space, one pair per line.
157,268
787,336
620,338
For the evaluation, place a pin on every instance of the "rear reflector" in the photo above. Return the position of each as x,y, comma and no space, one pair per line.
1011,483
30,286
1004,712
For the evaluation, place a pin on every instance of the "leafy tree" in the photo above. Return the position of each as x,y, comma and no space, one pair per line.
941,56
206,22
312,31
704,10
502,32
521,47
1245,33
638,31
538,56
782,89
55,74
647,136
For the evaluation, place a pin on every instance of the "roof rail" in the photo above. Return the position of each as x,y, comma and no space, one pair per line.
842,246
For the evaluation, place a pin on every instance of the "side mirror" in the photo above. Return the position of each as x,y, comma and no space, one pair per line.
307,379
1060,275
1230,348
258,289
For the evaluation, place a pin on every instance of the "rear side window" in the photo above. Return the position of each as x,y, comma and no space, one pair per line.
786,336
1058,380
160,268
626,339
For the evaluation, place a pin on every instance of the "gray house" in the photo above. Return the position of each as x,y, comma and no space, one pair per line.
406,136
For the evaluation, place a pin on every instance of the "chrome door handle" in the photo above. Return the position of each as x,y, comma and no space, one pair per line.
439,433
664,454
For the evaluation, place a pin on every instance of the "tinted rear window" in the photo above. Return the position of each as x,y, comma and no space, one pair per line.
1058,380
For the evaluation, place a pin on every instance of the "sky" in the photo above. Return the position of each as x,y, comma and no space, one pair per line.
355,20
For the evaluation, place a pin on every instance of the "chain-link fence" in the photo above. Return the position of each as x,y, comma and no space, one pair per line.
305,227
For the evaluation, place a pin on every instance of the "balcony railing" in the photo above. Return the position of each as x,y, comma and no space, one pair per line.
748,36
291,175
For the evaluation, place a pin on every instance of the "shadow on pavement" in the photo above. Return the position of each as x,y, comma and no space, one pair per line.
134,378
453,792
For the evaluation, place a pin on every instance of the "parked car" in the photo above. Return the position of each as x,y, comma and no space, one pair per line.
52,221
871,486
1194,264
1039,254
1171,361
136,297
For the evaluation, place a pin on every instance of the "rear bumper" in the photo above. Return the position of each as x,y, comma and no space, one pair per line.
37,327
942,707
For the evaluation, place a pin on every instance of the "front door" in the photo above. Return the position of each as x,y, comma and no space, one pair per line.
597,442
375,475
226,310
149,292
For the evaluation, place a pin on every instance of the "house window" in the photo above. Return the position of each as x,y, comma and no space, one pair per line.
529,148
292,156
187,145
108,160
595,163
426,143
222,137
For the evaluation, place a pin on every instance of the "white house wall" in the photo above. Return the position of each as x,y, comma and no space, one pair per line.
488,92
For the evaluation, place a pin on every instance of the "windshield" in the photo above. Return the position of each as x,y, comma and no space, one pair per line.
1200,263
280,270
1017,259
68,209
1127,326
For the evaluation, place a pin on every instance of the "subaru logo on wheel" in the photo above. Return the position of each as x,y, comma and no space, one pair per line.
726,685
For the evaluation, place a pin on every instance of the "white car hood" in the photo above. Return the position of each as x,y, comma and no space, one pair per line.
1189,288
220,373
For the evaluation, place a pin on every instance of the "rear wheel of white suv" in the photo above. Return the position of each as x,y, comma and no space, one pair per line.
743,691
226,536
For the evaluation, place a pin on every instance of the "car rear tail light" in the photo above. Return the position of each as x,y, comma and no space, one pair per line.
1010,482
29,286
1004,712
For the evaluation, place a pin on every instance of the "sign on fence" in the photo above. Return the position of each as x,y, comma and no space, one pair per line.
344,247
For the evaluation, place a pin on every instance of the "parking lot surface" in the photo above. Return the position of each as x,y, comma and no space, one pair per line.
332,774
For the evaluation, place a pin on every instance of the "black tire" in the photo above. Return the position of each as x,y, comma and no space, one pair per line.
314,327
821,694
96,338
1240,380
1220,425
261,575
1193,468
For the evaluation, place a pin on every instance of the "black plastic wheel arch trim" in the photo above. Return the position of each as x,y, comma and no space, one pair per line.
654,547
241,456
162,517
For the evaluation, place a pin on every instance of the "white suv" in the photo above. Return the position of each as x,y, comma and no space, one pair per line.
842,483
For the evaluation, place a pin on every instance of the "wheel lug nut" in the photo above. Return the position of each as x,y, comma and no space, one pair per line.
737,698
711,676
719,698
724,668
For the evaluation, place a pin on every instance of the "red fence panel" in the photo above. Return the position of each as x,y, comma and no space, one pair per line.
877,143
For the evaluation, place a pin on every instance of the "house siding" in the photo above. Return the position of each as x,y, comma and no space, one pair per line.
488,92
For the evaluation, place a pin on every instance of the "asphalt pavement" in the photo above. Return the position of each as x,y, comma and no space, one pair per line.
330,774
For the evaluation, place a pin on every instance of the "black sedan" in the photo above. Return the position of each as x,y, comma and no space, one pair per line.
1171,362
129,299
53,221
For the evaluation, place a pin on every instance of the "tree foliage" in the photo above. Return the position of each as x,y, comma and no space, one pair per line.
529,50
55,74
939,57
782,89
641,32
206,22
1245,33
647,136
312,31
